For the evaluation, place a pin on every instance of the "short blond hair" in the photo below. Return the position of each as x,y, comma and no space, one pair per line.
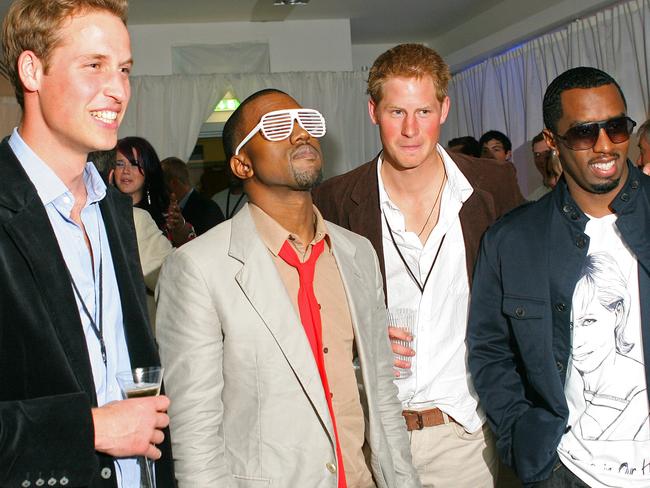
33,25
409,61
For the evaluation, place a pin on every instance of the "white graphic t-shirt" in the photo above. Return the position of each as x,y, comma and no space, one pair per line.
608,444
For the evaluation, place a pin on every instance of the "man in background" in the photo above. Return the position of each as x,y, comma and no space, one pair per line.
425,210
196,209
547,164
643,135
465,145
72,311
495,145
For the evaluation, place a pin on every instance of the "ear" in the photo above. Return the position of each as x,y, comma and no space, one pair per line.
444,109
508,155
241,166
372,108
30,71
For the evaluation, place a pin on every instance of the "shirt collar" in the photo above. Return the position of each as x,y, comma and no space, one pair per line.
459,187
48,185
274,235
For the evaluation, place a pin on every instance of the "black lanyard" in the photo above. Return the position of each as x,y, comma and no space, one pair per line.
98,328
228,214
421,287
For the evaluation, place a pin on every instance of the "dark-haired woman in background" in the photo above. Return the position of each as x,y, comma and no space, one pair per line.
138,173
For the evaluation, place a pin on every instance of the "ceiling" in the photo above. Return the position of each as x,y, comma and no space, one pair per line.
371,21
448,25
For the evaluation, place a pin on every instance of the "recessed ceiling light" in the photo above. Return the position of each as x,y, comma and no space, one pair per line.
290,2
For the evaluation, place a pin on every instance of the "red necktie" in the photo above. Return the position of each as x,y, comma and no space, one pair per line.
310,317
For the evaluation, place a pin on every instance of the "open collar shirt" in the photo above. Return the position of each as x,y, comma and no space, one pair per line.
338,335
440,374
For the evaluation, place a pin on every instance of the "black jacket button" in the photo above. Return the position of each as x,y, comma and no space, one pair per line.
560,306
520,312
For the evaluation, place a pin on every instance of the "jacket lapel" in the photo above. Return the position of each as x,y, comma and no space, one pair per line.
365,213
117,213
262,285
31,232
345,252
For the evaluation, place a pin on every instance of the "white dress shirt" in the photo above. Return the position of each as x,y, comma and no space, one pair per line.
440,374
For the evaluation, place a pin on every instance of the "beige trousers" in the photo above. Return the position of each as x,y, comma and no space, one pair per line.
446,456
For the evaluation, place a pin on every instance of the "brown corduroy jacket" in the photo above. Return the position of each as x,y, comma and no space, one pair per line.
351,200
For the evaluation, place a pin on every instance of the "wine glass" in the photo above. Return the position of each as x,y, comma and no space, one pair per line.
138,383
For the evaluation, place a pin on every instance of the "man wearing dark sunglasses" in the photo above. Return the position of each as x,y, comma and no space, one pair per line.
262,320
559,328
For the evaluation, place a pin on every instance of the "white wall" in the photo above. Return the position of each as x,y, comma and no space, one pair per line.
315,45
364,55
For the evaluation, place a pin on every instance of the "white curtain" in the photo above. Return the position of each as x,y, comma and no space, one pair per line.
505,92
169,110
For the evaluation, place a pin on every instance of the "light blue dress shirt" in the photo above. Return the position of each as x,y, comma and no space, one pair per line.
58,202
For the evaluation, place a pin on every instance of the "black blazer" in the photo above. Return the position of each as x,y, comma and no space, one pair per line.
46,383
201,212
518,333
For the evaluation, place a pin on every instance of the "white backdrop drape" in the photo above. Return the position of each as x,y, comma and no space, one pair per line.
169,110
505,92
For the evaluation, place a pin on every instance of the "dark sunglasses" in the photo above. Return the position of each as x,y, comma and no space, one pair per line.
585,136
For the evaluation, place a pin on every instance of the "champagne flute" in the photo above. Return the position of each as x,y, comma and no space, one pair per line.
138,383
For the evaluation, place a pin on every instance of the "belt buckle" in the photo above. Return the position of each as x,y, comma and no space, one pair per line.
420,421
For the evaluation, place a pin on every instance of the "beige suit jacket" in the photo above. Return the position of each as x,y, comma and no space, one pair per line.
248,408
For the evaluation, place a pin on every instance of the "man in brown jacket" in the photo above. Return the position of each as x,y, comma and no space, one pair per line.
425,211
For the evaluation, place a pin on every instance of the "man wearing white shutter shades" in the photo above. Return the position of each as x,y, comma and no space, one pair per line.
260,321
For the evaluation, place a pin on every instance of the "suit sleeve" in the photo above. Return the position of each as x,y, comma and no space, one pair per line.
390,407
153,246
48,437
527,434
191,348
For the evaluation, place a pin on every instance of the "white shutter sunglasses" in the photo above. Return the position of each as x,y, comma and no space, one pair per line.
278,125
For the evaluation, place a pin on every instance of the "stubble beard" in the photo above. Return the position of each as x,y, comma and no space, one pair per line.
603,188
306,179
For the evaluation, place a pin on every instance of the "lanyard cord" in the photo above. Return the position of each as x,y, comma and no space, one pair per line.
228,214
421,287
97,327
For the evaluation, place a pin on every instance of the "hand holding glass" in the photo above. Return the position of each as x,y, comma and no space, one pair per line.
403,319
138,383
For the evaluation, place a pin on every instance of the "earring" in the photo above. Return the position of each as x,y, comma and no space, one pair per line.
148,197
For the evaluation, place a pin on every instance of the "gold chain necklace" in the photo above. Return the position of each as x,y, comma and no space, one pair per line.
444,178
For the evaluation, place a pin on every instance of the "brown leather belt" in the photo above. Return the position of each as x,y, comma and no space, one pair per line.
418,420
